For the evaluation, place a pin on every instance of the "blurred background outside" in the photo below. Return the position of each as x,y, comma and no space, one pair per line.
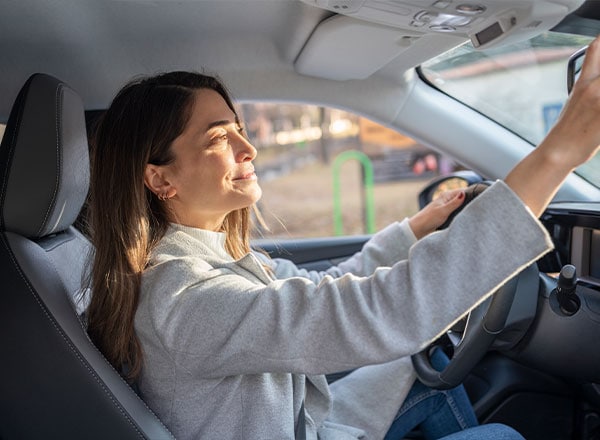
306,153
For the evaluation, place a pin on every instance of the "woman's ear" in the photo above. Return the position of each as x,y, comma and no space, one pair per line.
156,181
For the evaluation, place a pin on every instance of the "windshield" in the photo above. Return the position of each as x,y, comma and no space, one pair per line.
521,86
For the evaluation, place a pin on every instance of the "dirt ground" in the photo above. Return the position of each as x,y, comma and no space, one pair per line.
300,204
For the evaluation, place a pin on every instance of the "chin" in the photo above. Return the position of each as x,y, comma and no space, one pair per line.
250,199
256,194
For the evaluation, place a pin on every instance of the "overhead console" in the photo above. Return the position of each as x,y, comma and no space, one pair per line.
485,22
397,25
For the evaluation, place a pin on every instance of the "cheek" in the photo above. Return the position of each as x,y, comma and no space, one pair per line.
206,167
208,173
210,177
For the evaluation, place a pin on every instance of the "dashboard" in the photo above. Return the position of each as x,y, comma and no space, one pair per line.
559,340
575,230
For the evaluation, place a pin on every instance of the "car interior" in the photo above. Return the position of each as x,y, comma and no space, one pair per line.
71,388
529,357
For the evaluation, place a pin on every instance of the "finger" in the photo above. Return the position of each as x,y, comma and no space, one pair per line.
457,199
454,196
447,196
450,206
445,211
591,63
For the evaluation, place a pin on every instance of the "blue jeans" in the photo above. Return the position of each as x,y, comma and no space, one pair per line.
441,413
492,431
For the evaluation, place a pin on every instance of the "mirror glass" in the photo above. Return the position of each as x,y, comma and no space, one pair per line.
574,67
455,180
449,184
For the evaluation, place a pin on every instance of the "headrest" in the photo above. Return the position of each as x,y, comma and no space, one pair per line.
44,162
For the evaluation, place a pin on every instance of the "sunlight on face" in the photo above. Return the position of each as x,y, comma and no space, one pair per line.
213,172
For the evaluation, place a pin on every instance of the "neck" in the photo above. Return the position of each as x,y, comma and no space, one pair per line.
186,218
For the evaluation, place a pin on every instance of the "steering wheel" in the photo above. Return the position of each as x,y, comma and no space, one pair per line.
482,325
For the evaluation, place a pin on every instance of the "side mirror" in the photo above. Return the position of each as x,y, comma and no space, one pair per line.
456,180
574,67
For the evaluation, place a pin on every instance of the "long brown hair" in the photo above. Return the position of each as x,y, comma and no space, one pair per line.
126,220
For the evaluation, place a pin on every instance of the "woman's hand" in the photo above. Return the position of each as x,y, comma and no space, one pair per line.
435,213
577,125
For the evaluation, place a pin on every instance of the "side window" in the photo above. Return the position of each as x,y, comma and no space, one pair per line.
327,172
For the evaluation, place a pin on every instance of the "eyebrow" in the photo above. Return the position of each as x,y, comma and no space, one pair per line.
219,123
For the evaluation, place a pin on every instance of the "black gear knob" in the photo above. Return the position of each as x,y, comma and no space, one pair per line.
565,290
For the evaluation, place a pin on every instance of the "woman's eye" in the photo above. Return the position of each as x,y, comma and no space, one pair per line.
219,139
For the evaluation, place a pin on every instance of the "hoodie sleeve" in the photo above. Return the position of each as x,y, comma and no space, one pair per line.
218,322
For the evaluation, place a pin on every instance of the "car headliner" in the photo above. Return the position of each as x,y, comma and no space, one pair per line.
278,50
254,45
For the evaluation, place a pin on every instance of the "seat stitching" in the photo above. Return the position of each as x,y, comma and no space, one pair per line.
83,326
69,343
58,101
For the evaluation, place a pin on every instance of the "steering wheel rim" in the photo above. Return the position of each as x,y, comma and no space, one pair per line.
484,323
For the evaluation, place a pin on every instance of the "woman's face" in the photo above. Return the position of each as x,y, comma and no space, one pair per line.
212,173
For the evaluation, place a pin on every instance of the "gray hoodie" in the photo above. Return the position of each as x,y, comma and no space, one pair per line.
231,351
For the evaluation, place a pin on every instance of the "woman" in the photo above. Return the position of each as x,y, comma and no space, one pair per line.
226,343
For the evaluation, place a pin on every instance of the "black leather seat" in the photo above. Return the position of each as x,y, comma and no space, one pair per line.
54,383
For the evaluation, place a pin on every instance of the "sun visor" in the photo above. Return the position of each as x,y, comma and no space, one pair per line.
365,35
344,48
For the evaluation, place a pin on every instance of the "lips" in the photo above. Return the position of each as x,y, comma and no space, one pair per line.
247,175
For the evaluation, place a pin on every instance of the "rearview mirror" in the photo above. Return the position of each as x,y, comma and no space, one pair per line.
574,67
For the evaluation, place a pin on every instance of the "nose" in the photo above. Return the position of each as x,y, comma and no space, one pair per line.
244,150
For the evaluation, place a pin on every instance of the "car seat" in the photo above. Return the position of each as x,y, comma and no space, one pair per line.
54,381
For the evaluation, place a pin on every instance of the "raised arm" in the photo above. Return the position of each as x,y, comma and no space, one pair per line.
573,140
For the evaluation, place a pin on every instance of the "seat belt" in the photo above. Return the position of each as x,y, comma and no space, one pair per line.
300,433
